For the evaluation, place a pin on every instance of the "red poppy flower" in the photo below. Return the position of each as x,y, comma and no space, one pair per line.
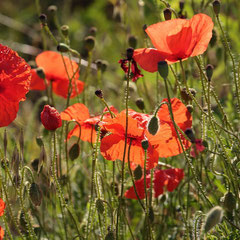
79,112
175,40
166,139
59,69
112,146
169,179
2,207
197,148
15,80
37,83
135,71
1,233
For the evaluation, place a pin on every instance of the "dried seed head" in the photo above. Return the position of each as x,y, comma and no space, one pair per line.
163,69
74,151
65,30
153,125
140,103
137,172
62,47
214,216
132,41
100,206
89,43
216,6
167,14
35,194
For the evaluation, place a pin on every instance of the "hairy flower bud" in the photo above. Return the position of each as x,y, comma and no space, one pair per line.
89,43
213,217
163,69
153,125
140,103
216,6
209,71
137,172
74,151
50,118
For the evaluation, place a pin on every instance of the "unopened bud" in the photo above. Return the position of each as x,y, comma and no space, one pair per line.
130,52
65,30
43,19
89,43
153,125
213,217
100,206
229,201
213,39
62,47
167,14
190,108
137,172
74,151
209,71
190,135
132,41
40,72
163,69
35,194
140,103
216,6
145,144
99,93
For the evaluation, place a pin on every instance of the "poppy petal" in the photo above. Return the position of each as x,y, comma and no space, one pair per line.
2,207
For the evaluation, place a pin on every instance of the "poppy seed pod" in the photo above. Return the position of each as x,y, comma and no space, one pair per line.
153,125
167,14
137,172
140,103
104,65
163,69
209,71
132,41
98,63
145,144
190,135
40,72
99,93
62,47
43,19
89,43
130,52
65,30
93,31
213,217
52,9
74,151
190,108
50,118
216,6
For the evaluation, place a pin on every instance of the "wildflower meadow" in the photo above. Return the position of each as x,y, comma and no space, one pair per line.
120,120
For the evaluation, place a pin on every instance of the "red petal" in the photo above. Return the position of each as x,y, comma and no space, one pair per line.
2,207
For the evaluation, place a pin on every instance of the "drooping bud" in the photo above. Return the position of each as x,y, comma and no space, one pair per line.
216,6
43,19
130,52
100,206
40,72
137,172
62,47
209,71
167,14
132,41
163,69
229,201
190,135
99,93
213,217
153,125
145,144
50,118
35,194
74,151
140,103
89,43
65,30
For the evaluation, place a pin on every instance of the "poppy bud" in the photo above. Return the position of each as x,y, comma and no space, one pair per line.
50,118
140,103
130,52
43,19
132,41
151,214
62,47
104,65
181,4
100,206
40,72
35,194
74,151
93,31
65,30
89,43
167,14
52,9
145,144
213,217
213,39
137,172
99,93
209,71
229,201
163,69
216,6
153,125
190,135
190,108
